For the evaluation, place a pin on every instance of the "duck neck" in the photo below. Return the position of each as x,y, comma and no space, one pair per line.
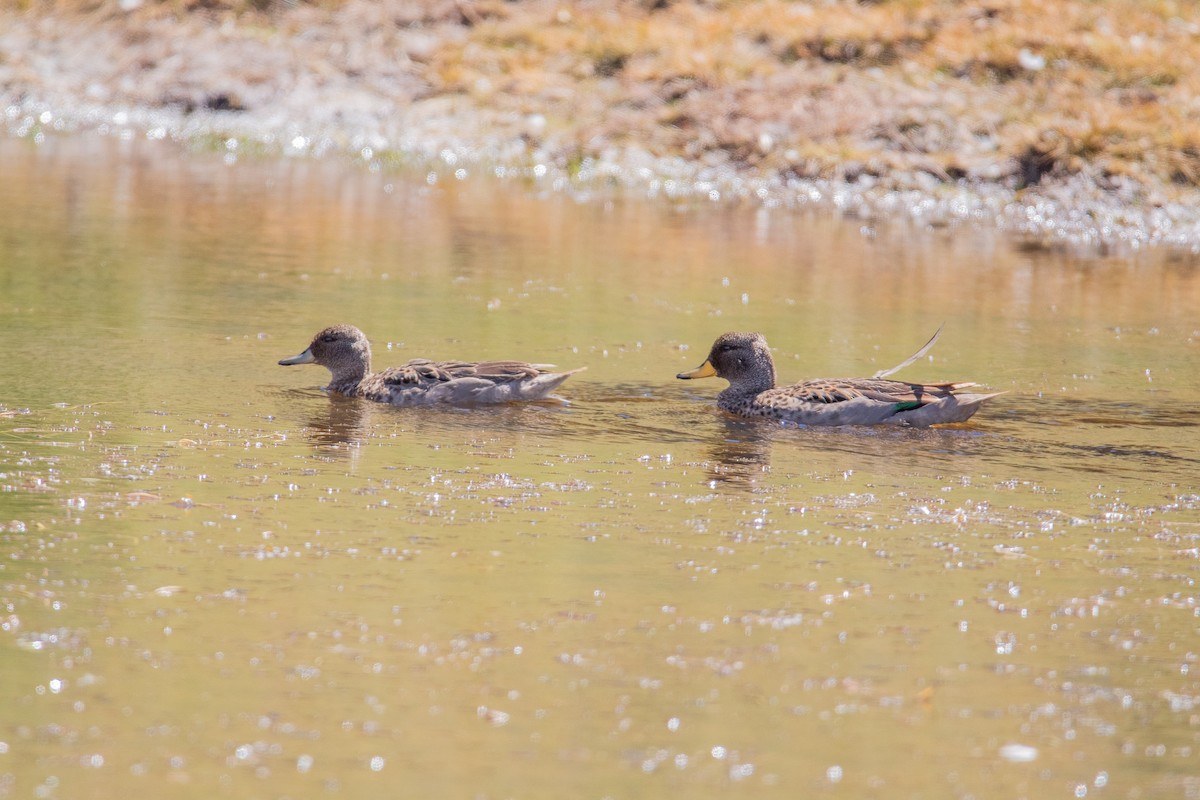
762,383
748,387
345,384
755,381
349,373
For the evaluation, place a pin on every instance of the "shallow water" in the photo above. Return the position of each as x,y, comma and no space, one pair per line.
216,580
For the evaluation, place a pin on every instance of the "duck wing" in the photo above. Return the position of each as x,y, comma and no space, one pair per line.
422,381
838,390
503,371
423,371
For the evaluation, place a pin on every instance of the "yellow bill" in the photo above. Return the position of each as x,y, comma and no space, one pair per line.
705,370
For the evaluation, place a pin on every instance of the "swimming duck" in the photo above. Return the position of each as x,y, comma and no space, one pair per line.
345,352
745,361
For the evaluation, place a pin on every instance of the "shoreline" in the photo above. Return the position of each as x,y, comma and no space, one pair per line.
247,84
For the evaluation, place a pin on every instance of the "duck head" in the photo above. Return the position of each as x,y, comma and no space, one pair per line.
743,359
342,349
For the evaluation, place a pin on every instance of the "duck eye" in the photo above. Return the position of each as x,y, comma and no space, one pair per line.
329,338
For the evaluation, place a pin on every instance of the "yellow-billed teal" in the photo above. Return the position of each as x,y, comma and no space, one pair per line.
745,361
345,352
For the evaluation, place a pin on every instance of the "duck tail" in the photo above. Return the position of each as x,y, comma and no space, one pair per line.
544,384
949,409
539,388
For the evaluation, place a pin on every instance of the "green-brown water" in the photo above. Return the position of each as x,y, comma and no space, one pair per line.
217,581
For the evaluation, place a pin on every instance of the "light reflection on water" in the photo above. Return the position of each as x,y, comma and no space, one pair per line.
218,579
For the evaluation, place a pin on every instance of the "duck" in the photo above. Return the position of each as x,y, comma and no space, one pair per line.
744,359
346,353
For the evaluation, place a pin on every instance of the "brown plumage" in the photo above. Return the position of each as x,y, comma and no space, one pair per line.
745,361
345,352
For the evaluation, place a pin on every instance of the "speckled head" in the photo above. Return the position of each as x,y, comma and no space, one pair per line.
342,349
743,359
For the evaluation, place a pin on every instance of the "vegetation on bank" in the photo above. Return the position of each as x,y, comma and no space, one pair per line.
999,89
1016,92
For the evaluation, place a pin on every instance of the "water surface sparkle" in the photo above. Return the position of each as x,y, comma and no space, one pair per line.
218,580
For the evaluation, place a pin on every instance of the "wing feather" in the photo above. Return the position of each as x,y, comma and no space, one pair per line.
879,390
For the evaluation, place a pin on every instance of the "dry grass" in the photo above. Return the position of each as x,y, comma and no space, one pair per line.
1016,91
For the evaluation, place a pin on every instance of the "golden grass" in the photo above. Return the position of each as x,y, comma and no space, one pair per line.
1015,88
1106,86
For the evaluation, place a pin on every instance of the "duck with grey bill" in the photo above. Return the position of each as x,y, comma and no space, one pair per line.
745,361
346,353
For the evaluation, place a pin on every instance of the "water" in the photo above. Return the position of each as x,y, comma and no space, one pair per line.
218,581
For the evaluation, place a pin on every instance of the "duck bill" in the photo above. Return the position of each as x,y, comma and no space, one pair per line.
705,370
304,358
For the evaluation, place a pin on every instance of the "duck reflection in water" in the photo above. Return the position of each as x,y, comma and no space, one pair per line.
741,455
341,424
